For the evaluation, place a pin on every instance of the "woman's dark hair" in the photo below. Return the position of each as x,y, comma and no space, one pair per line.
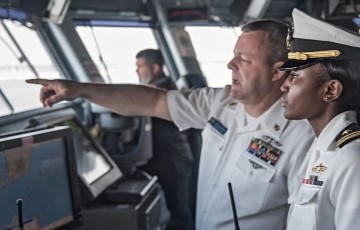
348,73
276,36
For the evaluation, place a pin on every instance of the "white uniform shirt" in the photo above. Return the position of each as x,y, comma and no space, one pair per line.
260,189
331,198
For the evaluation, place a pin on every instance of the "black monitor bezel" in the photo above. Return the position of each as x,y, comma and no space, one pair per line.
41,134
95,189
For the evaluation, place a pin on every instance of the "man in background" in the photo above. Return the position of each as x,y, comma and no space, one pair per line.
172,162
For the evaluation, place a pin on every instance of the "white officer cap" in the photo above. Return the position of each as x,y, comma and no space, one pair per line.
314,40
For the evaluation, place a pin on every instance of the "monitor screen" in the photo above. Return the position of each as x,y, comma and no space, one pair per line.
37,166
95,167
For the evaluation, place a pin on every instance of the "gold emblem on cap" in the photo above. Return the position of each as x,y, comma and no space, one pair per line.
315,54
276,127
289,37
346,132
319,168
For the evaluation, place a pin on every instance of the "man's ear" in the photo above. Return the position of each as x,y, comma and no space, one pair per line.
332,90
277,73
156,68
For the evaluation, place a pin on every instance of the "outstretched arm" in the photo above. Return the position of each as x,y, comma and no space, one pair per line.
131,100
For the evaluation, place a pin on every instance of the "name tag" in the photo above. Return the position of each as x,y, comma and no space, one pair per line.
218,125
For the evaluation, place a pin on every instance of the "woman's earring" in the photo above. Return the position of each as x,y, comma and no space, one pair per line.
326,98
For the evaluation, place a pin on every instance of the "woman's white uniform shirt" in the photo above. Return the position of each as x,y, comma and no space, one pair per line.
236,149
329,194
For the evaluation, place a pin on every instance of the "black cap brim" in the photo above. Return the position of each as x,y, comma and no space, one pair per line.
292,65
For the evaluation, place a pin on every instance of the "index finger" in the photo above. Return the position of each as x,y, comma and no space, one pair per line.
38,81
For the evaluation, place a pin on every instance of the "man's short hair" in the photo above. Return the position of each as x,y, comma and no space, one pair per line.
276,36
153,56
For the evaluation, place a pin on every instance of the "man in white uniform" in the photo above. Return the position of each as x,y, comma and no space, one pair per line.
324,88
246,139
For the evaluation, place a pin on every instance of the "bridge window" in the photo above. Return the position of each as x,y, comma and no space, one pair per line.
113,50
23,56
214,54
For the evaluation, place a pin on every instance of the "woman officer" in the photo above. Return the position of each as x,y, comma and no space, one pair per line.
324,88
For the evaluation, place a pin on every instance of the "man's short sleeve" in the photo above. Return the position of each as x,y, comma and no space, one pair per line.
192,108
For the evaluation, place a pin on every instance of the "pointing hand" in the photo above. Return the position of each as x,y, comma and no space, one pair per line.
54,91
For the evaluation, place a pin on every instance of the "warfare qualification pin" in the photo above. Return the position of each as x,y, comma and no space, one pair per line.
319,168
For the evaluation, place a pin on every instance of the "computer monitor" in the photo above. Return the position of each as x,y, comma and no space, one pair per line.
127,139
38,167
96,169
